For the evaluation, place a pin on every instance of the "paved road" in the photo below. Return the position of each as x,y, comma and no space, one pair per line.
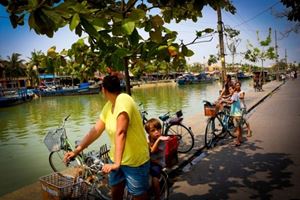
266,166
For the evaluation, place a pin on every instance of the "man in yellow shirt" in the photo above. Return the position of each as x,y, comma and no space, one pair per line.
129,153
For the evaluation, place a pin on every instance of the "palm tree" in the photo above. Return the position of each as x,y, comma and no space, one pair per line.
14,66
34,64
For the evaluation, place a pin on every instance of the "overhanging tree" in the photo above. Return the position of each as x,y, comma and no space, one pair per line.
115,27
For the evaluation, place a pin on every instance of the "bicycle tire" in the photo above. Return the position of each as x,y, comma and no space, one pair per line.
101,190
214,129
224,119
57,164
186,140
231,128
164,186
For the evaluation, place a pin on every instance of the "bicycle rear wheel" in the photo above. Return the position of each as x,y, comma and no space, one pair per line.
57,164
186,137
214,129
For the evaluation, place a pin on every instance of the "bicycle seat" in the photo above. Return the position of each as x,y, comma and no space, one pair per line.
164,117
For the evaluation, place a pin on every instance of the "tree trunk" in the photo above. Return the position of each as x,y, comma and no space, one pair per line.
127,78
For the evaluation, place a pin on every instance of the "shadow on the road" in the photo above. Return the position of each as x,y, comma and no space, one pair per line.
230,170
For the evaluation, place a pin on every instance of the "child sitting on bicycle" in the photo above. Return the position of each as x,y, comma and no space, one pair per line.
235,113
157,152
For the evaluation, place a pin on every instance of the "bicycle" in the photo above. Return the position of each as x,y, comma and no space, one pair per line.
90,164
58,144
173,126
219,124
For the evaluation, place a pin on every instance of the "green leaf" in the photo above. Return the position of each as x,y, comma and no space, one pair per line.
189,53
137,14
122,52
89,28
105,36
162,47
117,62
134,38
157,22
208,30
156,36
101,23
74,22
184,49
128,26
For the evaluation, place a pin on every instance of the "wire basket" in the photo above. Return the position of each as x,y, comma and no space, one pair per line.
210,110
58,187
53,139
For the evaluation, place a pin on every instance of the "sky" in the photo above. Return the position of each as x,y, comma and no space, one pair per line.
251,16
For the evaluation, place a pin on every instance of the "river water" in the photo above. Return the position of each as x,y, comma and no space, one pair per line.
24,157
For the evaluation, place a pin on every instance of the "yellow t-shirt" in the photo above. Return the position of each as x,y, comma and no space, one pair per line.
136,150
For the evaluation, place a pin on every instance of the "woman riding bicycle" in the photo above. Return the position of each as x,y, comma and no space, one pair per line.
129,153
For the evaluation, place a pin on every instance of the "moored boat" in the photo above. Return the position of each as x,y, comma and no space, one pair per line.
15,98
83,89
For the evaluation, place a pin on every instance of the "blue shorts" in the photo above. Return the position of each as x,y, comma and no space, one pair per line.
136,178
155,169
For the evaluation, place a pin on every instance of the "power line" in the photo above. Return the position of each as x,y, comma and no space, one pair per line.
260,13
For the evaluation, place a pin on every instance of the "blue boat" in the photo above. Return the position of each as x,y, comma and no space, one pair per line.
192,79
15,98
241,75
83,89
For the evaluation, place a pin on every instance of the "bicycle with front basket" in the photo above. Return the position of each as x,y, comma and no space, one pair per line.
90,164
173,126
219,123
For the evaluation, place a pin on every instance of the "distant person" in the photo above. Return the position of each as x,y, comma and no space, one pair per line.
243,106
283,77
257,83
235,113
129,154
157,152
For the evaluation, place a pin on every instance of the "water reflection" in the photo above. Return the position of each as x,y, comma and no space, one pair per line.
24,157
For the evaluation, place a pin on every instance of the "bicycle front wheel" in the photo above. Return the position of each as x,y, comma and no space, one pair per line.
186,137
214,128
164,186
57,164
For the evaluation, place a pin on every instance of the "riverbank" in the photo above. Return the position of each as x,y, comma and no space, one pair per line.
197,122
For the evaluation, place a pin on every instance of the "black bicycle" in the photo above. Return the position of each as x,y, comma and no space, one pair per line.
173,126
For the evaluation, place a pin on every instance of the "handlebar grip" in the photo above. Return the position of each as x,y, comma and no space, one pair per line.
67,117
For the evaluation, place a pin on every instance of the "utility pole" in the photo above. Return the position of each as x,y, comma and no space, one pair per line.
276,51
286,64
221,43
